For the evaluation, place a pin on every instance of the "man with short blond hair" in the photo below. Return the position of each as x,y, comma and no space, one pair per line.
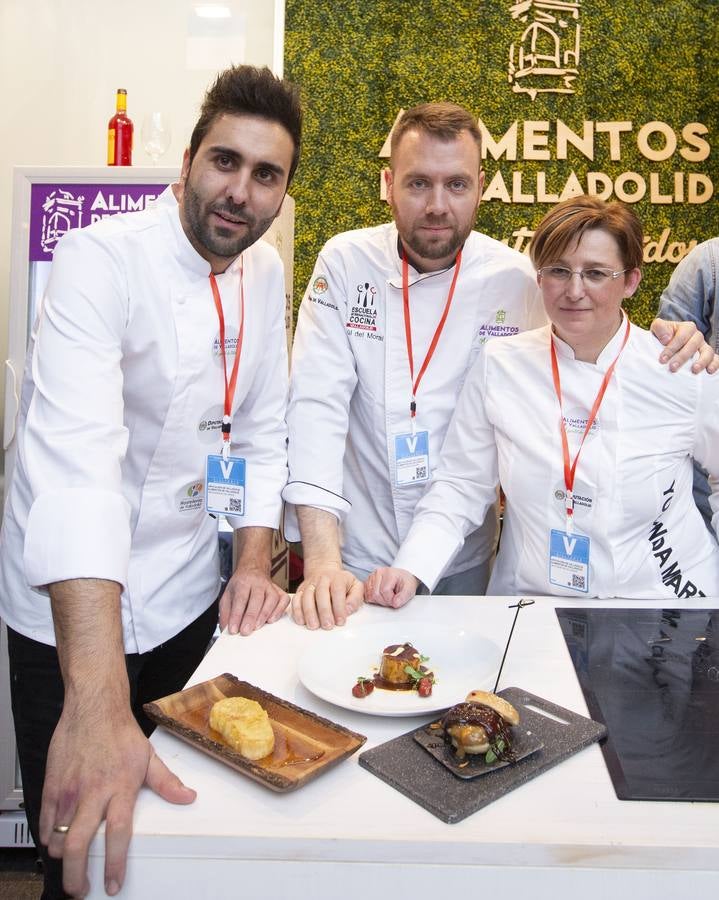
390,324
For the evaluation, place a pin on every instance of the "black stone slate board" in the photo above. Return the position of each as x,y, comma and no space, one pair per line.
524,743
410,769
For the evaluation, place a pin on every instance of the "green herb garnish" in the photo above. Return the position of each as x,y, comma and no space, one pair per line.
417,674
494,752
413,673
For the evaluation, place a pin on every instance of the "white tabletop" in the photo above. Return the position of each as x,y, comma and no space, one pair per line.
348,834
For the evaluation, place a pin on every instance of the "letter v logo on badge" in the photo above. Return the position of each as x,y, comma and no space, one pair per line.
226,466
569,544
412,443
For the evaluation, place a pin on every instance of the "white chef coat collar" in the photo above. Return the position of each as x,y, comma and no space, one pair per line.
414,275
606,357
186,253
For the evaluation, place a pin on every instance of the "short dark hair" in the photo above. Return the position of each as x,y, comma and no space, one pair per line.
445,121
565,224
247,90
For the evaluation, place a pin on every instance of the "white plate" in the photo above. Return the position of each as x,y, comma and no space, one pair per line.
462,660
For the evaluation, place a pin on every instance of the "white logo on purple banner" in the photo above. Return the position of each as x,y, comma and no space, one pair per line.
56,209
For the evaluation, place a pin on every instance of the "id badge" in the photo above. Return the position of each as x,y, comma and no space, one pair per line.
411,455
569,560
225,486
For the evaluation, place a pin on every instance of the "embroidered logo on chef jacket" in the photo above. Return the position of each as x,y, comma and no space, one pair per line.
366,293
319,285
231,339
498,328
191,497
363,312
575,421
210,425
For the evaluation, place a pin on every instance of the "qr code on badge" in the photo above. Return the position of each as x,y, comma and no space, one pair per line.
421,472
578,582
235,505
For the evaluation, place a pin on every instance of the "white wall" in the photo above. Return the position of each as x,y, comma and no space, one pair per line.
61,62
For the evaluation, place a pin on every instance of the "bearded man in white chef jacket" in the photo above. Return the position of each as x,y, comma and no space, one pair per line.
152,322
390,325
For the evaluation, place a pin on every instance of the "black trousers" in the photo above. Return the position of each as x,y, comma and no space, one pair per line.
37,694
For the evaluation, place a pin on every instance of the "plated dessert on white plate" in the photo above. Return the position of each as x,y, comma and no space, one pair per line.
349,667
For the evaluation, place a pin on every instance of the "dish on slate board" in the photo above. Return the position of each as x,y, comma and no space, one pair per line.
478,736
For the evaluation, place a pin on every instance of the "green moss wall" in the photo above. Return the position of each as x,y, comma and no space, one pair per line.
358,63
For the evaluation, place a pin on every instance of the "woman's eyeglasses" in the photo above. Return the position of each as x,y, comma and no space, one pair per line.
561,274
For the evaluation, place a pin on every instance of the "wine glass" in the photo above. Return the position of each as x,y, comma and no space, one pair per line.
156,135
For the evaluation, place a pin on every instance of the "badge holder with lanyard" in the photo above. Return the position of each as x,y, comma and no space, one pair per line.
569,551
411,449
225,474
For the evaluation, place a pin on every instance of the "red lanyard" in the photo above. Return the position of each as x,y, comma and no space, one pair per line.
569,470
232,383
408,331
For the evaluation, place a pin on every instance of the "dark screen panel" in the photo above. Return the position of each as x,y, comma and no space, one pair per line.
652,677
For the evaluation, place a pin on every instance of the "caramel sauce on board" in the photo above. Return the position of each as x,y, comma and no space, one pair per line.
291,748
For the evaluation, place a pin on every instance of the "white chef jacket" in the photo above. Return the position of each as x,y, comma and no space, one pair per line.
122,401
633,485
350,387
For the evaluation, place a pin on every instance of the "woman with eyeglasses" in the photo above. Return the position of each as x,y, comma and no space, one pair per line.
590,438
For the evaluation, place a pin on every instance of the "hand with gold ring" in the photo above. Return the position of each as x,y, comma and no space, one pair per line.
326,598
120,760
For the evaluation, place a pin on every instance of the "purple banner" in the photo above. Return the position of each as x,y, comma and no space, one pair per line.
57,208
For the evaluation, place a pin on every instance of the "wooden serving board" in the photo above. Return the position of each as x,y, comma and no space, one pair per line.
407,766
305,744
